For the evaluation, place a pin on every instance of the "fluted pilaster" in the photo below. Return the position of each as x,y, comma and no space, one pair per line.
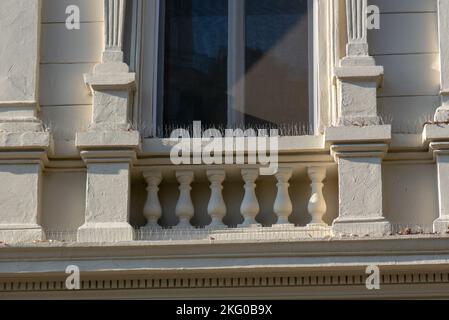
356,13
114,22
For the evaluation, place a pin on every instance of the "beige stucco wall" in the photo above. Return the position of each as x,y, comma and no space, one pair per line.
65,56
407,46
64,195
66,103
410,194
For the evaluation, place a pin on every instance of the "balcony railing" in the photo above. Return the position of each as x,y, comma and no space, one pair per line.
249,228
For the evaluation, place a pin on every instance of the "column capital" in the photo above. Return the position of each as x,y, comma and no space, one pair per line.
108,156
361,135
346,151
108,139
434,133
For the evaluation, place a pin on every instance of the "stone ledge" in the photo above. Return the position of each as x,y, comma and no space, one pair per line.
439,147
108,156
110,81
25,140
108,139
287,144
359,72
435,132
351,134
378,227
106,232
21,233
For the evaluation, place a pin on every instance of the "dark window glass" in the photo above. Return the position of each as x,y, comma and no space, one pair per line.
274,73
195,75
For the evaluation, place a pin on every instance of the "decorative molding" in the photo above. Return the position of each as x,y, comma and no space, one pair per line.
120,282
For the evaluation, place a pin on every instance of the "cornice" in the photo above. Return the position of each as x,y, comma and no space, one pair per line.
325,265
202,255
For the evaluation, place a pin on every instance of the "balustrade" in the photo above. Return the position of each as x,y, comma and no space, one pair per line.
217,207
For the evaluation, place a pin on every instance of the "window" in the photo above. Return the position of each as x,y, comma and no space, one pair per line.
227,63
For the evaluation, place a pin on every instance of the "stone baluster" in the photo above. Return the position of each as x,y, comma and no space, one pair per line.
250,206
283,204
317,205
152,210
216,207
184,207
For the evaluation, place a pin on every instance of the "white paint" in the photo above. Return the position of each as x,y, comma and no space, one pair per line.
317,204
250,205
216,207
283,205
184,206
152,210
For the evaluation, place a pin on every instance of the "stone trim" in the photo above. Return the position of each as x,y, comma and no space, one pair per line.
442,113
350,278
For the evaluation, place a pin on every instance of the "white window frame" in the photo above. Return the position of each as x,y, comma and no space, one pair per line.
146,62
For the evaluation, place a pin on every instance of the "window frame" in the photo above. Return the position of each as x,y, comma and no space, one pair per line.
144,23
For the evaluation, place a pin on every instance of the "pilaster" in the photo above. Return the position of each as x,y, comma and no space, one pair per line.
108,192
437,138
109,146
24,144
358,76
358,141
360,189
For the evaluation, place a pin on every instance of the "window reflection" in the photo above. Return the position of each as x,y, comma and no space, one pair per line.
275,76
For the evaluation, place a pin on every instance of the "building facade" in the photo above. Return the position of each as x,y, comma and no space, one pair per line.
348,96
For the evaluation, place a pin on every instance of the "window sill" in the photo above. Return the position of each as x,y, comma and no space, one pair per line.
288,144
